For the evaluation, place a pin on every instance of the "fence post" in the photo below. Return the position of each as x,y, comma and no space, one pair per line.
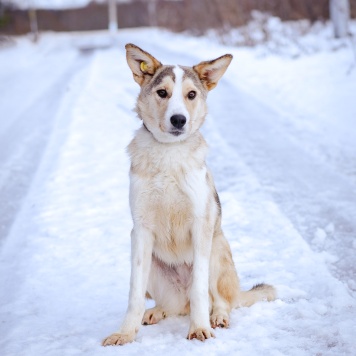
112,16
33,23
340,16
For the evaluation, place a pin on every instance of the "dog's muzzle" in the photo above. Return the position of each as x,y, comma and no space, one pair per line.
178,122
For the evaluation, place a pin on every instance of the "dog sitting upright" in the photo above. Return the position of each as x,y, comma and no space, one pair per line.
180,257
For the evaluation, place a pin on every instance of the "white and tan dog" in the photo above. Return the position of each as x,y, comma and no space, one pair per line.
180,257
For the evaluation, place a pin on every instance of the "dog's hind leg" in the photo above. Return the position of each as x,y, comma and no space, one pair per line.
223,282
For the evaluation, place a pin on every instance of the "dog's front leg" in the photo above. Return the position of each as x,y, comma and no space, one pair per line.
141,257
199,294
197,189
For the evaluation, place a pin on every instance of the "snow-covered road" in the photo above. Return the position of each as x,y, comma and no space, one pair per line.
288,212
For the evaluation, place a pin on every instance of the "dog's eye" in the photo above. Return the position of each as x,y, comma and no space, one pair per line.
191,95
162,93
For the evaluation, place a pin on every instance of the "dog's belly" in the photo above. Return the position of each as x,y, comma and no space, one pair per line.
177,275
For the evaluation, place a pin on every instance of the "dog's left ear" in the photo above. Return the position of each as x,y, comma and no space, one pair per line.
210,72
142,64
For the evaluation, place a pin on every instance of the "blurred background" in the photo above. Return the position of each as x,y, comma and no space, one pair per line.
21,16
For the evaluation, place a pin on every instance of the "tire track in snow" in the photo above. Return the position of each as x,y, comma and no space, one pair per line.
265,244
23,140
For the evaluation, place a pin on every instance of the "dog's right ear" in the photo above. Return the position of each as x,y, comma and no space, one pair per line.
142,64
210,72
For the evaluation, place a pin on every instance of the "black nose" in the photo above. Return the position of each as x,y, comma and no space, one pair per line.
178,121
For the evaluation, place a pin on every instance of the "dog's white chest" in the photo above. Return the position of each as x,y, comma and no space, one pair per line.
168,193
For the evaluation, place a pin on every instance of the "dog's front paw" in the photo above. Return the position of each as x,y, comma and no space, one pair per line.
200,333
219,321
118,339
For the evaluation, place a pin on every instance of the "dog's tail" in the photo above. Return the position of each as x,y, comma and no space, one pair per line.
259,292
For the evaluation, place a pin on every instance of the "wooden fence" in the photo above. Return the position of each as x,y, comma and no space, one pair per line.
193,15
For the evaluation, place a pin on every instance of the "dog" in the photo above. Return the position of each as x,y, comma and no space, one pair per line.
180,257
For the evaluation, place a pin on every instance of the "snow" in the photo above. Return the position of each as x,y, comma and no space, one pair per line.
282,150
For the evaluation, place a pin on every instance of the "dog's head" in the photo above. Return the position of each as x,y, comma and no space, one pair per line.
172,101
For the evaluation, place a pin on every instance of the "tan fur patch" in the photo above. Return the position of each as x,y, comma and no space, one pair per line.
227,284
150,107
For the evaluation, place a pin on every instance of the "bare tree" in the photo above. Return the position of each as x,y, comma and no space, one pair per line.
340,16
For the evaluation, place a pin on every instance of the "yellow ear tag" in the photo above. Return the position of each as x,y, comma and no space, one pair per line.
144,66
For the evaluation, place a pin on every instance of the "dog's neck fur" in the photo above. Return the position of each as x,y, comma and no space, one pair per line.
149,157
143,124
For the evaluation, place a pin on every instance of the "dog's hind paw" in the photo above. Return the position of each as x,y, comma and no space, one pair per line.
118,339
201,334
153,316
219,321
